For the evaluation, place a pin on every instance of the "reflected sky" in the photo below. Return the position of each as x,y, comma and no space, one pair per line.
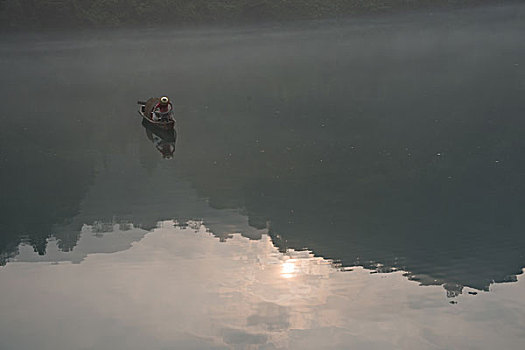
180,286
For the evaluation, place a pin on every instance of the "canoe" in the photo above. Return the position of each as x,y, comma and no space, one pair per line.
167,122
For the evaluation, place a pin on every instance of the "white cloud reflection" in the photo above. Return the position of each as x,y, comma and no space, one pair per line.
181,287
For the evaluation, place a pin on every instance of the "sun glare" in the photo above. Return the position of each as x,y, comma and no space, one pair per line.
288,269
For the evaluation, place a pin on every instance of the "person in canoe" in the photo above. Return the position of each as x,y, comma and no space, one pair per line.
158,108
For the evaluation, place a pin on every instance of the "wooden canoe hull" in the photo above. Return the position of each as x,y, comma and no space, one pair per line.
164,125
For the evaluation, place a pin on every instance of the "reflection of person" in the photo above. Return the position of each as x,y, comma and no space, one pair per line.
166,149
164,141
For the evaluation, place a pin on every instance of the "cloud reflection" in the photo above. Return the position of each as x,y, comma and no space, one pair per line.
182,287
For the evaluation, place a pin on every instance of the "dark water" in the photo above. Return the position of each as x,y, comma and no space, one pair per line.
389,143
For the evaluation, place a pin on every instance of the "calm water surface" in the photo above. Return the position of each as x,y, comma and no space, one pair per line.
356,184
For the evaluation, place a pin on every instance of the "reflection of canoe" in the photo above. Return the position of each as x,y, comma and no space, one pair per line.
167,135
166,123
163,139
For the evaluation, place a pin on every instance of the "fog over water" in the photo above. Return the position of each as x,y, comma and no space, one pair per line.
377,144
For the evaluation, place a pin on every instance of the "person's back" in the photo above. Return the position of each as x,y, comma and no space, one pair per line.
163,108
163,105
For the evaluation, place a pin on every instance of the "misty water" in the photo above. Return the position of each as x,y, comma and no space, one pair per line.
334,185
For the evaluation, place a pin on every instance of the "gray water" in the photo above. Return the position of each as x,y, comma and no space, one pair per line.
385,145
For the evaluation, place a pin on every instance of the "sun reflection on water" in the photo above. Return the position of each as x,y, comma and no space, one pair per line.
288,268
